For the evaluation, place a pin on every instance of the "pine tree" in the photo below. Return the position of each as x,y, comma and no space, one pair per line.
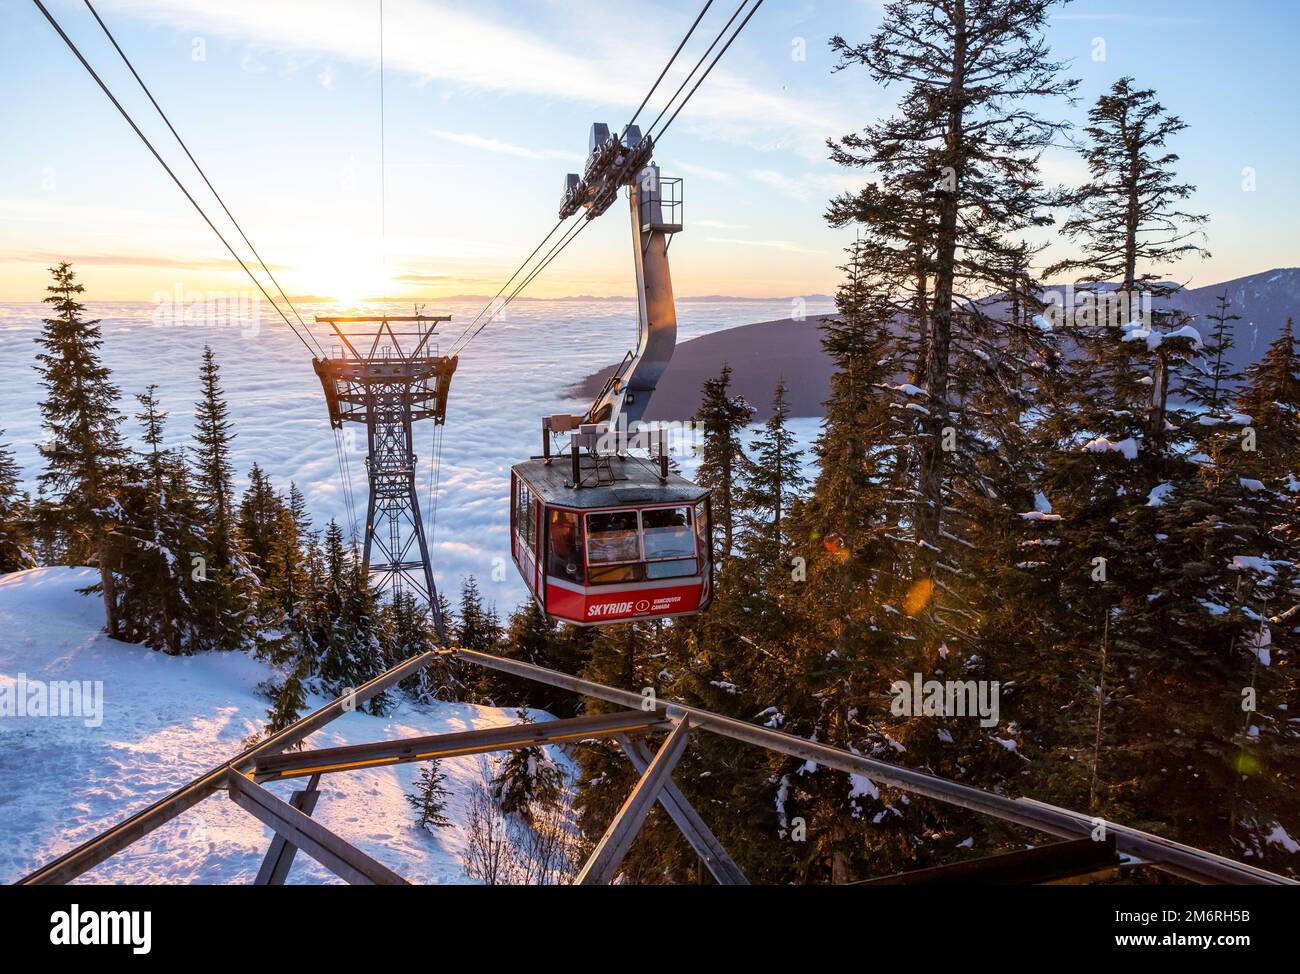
213,436
290,551
15,533
157,587
335,665
353,643
920,479
290,699
298,555
1121,562
962,154
268,538
411,633
478,628
1126,219
723,417
772,480
430,798
84,452
1271,398
1128,225
261,519
1212,387
865,421
527,777
836,633
228,591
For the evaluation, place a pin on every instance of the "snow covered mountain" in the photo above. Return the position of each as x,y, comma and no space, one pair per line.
164,721
1264,301
790,348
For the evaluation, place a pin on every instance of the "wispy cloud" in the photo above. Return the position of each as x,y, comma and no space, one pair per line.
434,41
422,278
719,225
788,246
137,261
806,186
475,141
703,172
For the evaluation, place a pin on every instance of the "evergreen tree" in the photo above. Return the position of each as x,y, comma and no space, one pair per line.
430,798
268,538
84,452
961,156
213,436
1128,224
157,584
290,699
1141,588
296,562
478,628
527,777
723,417
298,554
919,479
15,533
1271,398
1126,220
1212,387
228,590
411,633
865,421
262,518
773,479
353,651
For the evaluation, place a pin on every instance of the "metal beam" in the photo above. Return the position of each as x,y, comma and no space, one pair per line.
280,855
701,838
1173,857
92,852
335,854
379,318
380,753
1052,863
608,855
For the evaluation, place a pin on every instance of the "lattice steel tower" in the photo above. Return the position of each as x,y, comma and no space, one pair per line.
388,380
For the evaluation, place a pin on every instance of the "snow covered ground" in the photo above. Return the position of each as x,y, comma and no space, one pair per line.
165,721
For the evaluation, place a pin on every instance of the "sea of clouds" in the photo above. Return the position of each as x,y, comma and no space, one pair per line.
515,371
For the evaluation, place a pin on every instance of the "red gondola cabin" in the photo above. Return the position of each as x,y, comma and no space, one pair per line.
637,548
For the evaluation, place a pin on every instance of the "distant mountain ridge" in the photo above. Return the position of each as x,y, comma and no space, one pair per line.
762,352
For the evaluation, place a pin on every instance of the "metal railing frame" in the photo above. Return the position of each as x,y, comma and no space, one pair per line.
240,774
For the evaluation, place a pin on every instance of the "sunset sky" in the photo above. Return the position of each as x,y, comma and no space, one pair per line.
489,103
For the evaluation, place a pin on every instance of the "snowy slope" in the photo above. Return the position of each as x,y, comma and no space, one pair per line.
166,720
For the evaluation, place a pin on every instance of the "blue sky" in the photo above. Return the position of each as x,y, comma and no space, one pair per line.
488,105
